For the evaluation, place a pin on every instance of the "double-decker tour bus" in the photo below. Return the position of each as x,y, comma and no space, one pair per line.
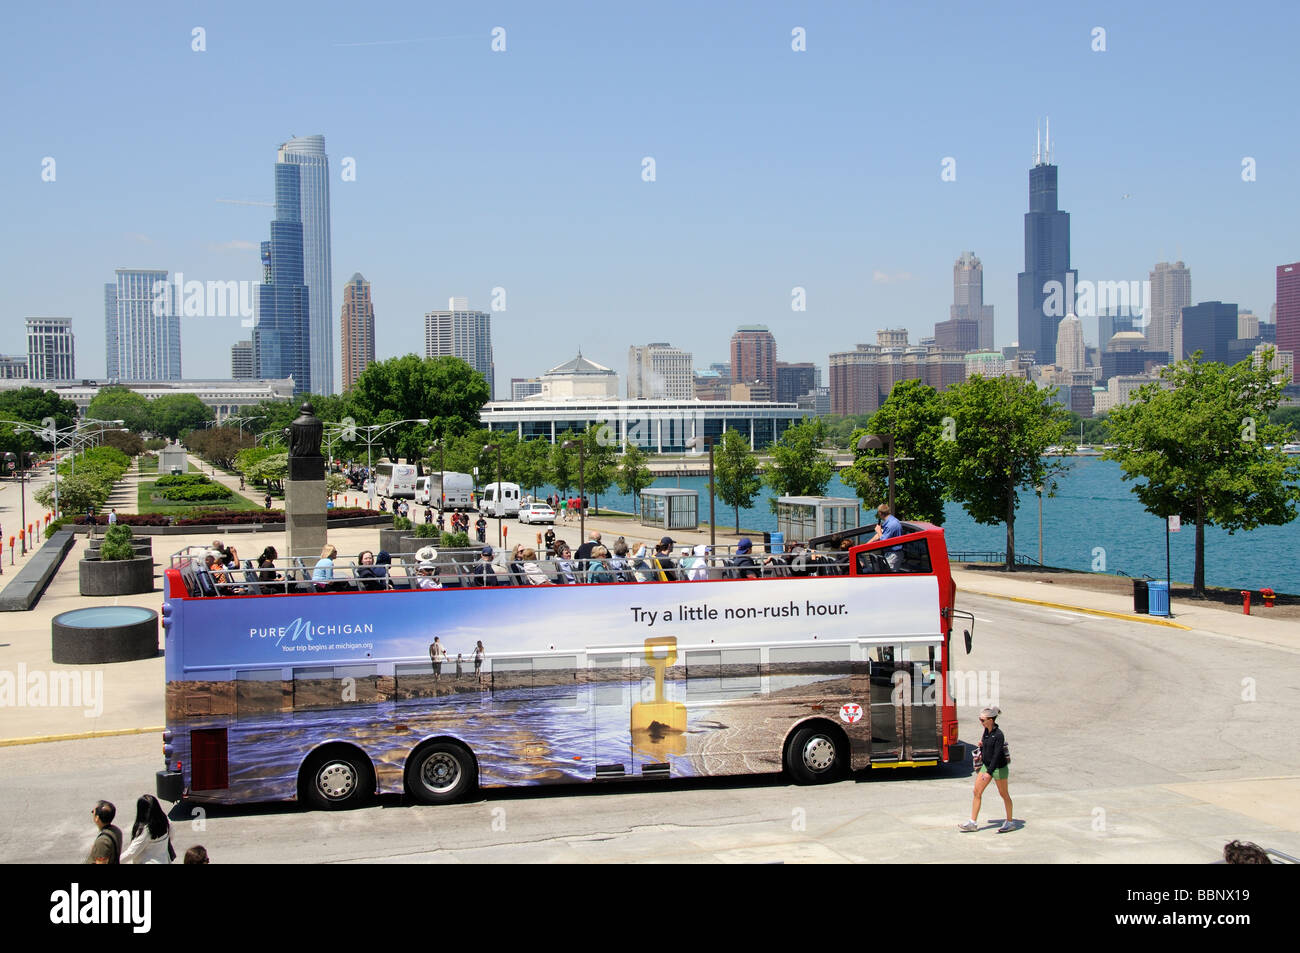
827,662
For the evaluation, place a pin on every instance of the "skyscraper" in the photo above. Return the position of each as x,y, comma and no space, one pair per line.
968,298
1070,353
1171,291
281,339
1047,285
357,328
241,361
460,332
1208,327
1288,314
142,327
307,154
794,380
51,349
753,355
110,331
659,371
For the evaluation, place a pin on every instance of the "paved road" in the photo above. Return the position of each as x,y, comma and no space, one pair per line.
1131,743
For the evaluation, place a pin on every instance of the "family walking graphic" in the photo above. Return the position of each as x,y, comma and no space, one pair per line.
439,656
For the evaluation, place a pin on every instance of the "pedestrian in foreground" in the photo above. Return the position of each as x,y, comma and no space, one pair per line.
995,759
107,847
151,835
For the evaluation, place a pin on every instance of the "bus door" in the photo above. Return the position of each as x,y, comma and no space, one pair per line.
906,699
638,725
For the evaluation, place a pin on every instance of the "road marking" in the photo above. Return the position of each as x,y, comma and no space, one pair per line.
1128,617
77,736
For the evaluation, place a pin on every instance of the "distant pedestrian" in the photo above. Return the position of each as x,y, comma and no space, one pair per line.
550,541
564,510
460,663
994,757
428,516
107,848
112,516
151,835
197,854
268,501
480,527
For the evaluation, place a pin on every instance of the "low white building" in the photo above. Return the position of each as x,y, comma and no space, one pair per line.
227,398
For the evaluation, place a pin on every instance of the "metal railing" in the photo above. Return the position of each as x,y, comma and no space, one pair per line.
991,557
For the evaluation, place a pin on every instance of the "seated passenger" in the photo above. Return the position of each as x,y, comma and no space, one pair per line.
568,571
371,575
425,579
663,561
597,570
322,576
642,570
483,573
531,572
888,527
619,567
742,564
696,567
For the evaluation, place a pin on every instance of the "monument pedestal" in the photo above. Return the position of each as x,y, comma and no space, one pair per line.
304,508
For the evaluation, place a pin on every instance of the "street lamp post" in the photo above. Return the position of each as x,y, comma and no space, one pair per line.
1039,490
500,503
697,443
14,461
582,486
877,442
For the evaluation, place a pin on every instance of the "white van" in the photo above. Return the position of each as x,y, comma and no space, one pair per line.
500,499
395,480
458,489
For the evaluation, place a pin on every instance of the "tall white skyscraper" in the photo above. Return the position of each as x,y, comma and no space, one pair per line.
308,153
659,371
1070,352
51,349
1171,291
142,326
460,332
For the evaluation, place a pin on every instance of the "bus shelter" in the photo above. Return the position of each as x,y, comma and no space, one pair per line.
670,508
801,518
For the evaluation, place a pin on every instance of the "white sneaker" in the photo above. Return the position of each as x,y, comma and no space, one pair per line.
1006,828
968,826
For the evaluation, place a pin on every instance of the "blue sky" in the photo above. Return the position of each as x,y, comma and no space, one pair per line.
522,169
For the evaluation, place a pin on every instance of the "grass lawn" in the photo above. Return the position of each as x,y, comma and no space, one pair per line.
145,503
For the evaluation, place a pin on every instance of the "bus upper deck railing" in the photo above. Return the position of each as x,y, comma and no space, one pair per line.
464,568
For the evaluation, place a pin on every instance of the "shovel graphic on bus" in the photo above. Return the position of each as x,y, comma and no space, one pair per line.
659,726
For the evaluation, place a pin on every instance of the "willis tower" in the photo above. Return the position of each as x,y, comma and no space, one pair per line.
1047,285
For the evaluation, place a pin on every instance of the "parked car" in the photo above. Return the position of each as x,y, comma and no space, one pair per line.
536,513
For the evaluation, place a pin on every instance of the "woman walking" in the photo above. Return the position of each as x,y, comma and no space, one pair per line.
151,835
994,758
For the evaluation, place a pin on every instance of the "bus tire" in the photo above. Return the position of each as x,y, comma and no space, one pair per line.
441,773
815,755
337,779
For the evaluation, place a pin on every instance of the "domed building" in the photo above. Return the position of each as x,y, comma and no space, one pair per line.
578,379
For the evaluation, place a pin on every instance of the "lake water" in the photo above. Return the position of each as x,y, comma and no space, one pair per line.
1094,522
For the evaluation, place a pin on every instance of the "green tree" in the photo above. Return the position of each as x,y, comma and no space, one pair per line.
600,467
129,443
218,445
994,445
913,417
532,463
445,390
633,475
798,467
121,403
76,493
735,473
31,405
174,414
1200,439
270,470
564,463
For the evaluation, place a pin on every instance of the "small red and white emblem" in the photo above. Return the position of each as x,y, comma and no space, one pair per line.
850,713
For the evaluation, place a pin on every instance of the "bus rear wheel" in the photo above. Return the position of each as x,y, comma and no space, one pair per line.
338,779
814,756
441,773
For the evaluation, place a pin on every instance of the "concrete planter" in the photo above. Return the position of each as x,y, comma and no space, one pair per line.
411,544
390,540
118,577
143,546
103,634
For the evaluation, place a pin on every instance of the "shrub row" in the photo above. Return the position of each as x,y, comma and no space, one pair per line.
183,479
191,493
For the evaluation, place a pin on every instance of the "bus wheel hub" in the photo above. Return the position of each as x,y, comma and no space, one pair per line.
819,753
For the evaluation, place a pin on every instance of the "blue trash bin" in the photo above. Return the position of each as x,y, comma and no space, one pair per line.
1158,597
777,544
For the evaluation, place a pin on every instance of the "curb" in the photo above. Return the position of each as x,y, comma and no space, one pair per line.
78,736
1127,617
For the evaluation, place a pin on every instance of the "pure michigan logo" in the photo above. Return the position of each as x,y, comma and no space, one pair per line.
102,907
308,630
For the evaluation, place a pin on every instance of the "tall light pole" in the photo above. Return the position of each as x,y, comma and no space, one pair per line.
582,486
1039,490
697,443
15,461
500,503
877,442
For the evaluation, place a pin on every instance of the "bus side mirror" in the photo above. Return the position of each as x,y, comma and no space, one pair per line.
966,634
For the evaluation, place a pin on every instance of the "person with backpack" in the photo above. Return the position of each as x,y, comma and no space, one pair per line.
107,848
993,758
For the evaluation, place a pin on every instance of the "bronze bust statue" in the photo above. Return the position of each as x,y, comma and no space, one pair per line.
305,433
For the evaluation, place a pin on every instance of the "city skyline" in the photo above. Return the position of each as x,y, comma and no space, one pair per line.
733,221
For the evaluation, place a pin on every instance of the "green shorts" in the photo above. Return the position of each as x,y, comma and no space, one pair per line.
999,774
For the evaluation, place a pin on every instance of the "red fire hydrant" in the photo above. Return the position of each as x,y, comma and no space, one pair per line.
1269,595
1245,602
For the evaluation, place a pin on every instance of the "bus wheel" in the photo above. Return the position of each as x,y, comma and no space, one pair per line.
814,756
337,779
441,773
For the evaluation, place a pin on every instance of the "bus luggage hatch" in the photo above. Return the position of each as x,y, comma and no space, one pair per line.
905,703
